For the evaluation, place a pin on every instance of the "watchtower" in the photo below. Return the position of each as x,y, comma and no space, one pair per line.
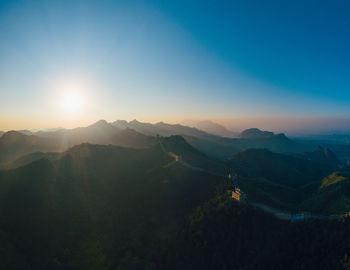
237,193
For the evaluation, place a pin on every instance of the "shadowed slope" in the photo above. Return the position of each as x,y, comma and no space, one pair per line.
97,205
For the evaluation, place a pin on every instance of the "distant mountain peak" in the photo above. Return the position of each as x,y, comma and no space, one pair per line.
210,127
255,133
12,134
100,123
104,125
135,122
122,124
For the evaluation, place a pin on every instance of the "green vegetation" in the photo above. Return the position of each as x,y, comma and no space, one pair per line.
333,178
281,169
98,207
111,207
223,234
288,182
332,196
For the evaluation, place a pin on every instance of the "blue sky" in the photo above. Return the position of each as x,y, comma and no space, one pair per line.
171,60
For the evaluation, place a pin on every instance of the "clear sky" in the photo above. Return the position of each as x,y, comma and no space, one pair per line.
172,60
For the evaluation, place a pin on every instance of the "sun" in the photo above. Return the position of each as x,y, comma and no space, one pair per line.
72,102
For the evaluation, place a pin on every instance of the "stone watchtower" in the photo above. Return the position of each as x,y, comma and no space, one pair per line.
237,193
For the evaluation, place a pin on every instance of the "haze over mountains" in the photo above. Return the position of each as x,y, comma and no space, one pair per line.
112,195
211,127
273,169
14,144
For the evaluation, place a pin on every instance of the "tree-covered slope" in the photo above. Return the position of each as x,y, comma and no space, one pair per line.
279,180
99,207
278,168
223,234
332,195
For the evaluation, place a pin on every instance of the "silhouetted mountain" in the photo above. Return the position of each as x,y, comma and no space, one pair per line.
279,168
14,144
321,155
161,129
179,146
255,133
122,124
255,138
99,133
144,128
131,138
222,148
174,144
178,129
211,127
216,146
276,179
269,140
342,150
26,159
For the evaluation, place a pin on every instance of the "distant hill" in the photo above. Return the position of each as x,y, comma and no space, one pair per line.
211,127
144,128
222,148
26,159
15,144
132,138
179,146
276,179
216,146
2,133
162,129
332,196
98,133
279,168
340,148
97,206
321,155
255,138
255,133
173,144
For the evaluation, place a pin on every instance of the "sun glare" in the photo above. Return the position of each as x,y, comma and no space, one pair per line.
72,102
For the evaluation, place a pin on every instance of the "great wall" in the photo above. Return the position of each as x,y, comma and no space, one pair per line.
240,196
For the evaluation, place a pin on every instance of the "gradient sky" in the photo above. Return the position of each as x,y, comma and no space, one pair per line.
172,60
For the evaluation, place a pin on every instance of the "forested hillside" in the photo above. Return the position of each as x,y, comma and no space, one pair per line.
98,207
